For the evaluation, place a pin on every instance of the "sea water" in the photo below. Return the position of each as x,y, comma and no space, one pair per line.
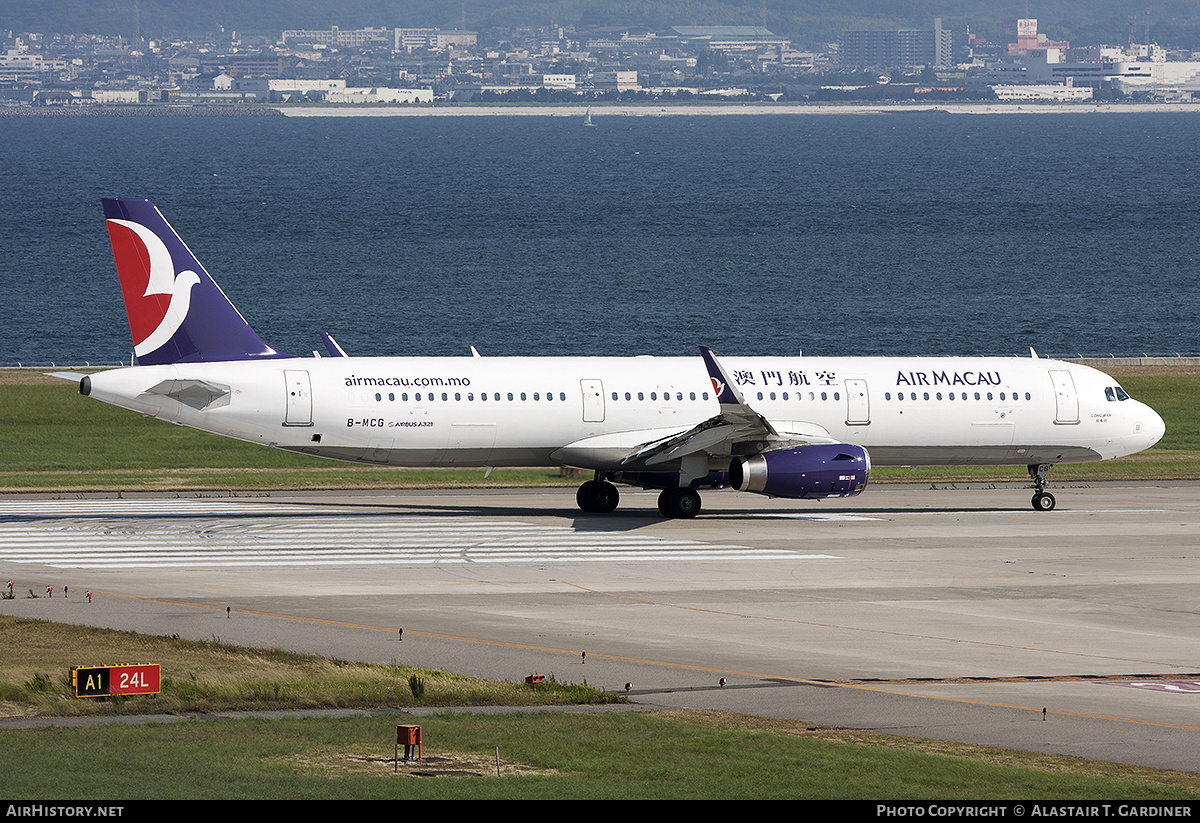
920,233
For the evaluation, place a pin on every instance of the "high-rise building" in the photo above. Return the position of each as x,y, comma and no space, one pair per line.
897,48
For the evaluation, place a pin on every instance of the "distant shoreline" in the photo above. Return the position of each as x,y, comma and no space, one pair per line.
599,110
710,109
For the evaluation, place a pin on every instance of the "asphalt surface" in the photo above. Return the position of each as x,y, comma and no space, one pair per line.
948,613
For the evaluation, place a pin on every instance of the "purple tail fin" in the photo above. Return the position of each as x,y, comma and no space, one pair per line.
177,314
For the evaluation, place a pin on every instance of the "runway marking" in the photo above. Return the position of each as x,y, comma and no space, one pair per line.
191,534
832,517
681,666
1176,686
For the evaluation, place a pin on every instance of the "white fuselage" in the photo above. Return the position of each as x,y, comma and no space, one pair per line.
593,412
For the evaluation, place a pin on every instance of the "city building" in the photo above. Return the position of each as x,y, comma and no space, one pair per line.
897,48
1028,40
615,81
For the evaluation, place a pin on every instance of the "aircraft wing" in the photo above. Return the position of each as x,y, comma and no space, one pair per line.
736,423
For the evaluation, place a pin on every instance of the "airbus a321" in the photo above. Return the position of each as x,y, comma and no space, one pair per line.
781,426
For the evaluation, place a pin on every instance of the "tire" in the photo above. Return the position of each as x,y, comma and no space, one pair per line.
604,497
597,497
679,504
584,495
1043,502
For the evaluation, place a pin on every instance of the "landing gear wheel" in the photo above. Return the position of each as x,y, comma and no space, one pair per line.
679,503
598,496
1043,502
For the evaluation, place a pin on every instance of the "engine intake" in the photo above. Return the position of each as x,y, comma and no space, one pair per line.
826,470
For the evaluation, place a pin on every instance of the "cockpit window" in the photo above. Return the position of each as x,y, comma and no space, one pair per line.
1121,395
1114,393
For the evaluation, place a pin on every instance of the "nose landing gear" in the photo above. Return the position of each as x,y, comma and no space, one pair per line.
1043,501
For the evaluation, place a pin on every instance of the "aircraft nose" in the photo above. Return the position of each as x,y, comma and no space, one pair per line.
1152,427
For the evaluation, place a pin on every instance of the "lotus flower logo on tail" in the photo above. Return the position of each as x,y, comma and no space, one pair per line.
156,298
177,314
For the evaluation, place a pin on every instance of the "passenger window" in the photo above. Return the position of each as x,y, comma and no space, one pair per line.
377,397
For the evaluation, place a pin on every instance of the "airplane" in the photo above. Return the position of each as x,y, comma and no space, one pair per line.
792,427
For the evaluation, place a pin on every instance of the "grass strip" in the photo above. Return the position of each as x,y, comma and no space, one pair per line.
209,676
545,755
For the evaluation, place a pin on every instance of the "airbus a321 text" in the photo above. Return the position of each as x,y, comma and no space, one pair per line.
782,426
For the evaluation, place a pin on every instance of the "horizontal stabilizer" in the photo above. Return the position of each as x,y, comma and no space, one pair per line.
332,346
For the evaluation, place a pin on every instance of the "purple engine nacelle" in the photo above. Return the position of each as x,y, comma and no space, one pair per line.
826,470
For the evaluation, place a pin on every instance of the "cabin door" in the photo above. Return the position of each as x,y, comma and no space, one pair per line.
299,398
1066,401
858,403
593,400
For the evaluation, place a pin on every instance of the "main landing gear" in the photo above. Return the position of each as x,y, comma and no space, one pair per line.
679,503
598,496
1043,501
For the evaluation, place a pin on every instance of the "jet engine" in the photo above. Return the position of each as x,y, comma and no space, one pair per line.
825,470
